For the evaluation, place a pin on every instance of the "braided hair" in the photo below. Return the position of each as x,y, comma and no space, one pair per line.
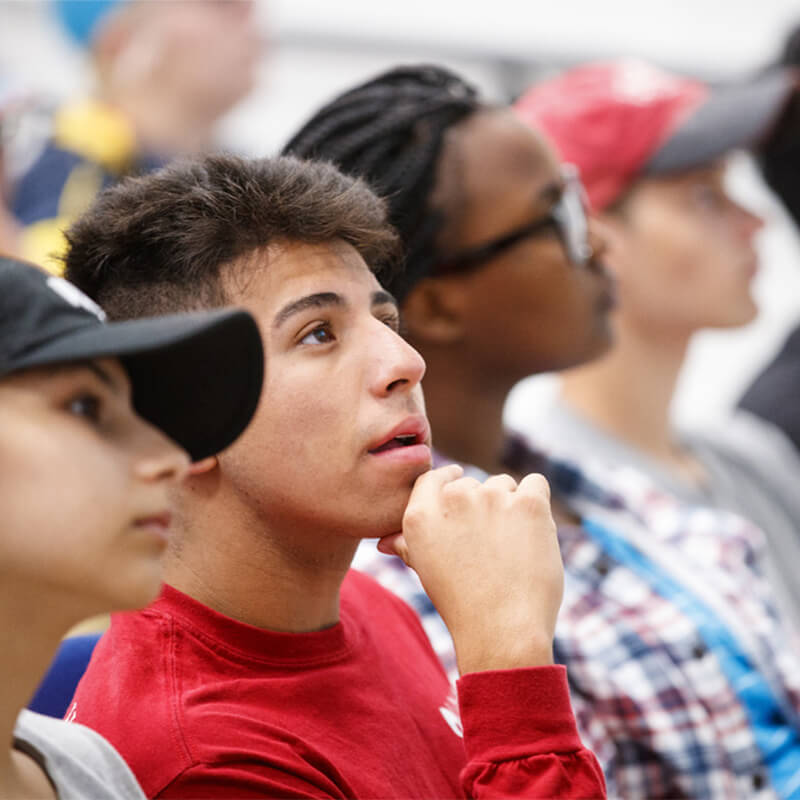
390,131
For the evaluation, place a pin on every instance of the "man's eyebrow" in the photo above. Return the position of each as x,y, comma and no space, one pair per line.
383,297
318,300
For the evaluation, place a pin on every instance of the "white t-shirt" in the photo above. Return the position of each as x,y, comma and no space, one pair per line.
80,763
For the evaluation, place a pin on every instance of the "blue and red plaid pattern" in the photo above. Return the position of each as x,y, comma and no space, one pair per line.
649,692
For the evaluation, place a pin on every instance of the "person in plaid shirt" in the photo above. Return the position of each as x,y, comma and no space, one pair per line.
684,678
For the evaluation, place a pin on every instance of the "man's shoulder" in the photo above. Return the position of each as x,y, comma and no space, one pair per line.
128,695
130,632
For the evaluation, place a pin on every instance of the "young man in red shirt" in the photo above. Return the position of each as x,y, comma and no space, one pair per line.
267,668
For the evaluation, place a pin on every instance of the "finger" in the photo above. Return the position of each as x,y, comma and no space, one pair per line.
428,485
535,484
465,483
394,545
505,482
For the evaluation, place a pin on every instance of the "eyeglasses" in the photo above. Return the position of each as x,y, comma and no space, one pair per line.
567,216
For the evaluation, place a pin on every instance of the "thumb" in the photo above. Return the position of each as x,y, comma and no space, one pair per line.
394,545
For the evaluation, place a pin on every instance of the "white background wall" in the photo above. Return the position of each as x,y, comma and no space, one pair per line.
315,48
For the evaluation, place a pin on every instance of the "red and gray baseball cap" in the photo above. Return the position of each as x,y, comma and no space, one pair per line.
196,376
618,120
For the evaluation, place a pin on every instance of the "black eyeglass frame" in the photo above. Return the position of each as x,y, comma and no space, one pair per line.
567,216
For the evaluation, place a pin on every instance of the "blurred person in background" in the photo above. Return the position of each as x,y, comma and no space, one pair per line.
12,104
651,148
774,392
9,229
164,72
87,465
684,678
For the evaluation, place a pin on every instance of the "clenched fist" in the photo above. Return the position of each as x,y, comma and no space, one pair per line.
488,557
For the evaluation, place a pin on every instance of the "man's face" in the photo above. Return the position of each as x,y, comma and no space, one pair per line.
340,385
683,253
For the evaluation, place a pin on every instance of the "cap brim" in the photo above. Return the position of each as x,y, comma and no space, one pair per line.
196,376
732,117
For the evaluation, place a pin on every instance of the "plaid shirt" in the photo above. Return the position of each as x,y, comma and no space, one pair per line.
652,691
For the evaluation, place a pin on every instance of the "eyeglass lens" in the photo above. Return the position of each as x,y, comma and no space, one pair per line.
570,216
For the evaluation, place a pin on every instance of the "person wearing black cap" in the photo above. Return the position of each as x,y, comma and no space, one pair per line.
268,668
99,421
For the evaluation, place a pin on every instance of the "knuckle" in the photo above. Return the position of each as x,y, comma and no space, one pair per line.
459,493
495,495
536,483
414,516
533,503
503,480
462,485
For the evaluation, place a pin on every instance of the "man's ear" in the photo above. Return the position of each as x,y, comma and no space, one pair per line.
434,310
203,466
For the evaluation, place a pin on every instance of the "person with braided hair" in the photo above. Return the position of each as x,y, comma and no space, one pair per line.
391,130
685,678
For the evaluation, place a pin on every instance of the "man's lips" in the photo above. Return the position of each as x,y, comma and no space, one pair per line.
411,431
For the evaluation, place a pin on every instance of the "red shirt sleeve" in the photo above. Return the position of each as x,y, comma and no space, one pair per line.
521,738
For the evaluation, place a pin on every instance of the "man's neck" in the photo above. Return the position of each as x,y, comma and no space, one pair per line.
275,576
465,410
628,393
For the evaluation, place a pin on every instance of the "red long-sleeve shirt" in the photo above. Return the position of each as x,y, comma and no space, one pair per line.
203,706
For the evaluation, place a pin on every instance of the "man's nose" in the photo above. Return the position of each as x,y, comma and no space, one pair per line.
400,366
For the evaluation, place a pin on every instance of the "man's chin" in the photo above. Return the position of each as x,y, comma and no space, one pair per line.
390,518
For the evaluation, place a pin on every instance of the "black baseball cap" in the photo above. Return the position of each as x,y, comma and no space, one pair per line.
197,376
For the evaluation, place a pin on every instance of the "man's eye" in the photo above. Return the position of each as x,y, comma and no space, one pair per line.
392,321
320,335
85,405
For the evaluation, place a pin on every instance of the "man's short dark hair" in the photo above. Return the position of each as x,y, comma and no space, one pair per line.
157,244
